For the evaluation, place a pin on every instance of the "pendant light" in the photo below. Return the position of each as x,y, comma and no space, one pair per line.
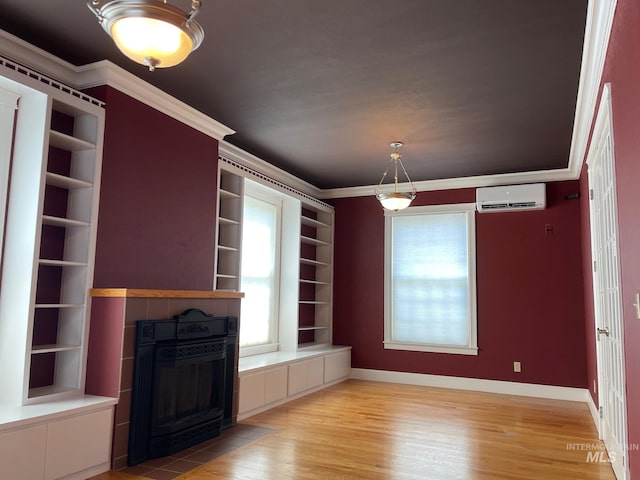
150,32
396,200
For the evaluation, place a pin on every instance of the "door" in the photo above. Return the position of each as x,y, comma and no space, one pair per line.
606,289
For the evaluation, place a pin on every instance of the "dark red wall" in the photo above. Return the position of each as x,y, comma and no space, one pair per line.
156,224
622,71
529,284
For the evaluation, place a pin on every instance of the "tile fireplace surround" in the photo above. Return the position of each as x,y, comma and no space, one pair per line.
114,312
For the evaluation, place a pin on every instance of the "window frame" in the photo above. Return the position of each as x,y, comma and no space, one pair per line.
265,194
471,348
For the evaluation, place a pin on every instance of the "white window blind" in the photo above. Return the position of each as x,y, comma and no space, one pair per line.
260,271
430,299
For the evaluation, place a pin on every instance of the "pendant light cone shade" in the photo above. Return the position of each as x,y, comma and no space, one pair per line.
150,32
395,200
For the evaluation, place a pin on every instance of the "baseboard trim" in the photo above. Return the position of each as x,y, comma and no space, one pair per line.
595,413
477,384
89,472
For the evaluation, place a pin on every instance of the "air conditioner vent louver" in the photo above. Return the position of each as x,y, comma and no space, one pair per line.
511,198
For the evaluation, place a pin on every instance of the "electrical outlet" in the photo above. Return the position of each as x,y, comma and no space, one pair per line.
595,388
516,367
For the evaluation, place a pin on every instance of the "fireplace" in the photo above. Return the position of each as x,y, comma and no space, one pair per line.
183,383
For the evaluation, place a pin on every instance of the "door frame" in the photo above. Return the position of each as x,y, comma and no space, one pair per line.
603,126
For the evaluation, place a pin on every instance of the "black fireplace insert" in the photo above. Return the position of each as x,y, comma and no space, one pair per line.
183,383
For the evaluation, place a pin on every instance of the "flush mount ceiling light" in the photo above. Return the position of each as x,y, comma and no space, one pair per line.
395,200
150,32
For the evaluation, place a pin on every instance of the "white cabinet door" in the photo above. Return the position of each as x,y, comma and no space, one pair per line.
315,372
305,375
78,443
275,385
22,454
297,377
337,365
252,388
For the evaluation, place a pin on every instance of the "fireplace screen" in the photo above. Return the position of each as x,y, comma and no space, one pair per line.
181,383
188,390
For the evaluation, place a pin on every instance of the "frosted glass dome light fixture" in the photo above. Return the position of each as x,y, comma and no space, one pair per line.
150,32
395,200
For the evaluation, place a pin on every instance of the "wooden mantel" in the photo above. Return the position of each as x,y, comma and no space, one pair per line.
148,293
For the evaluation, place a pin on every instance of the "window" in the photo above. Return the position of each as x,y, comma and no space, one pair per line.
430,290
260,272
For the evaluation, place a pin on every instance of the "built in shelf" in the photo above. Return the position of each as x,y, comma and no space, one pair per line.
229,231
56,203
228,221
310,261
61,263
61,181
63,222
313,222
38,349
67,142
224,275
228,194
58,305
50,390
313,241
314,282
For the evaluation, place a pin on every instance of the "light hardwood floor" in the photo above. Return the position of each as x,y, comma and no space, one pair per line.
370,430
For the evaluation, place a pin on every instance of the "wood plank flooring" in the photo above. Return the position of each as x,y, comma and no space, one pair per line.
369,430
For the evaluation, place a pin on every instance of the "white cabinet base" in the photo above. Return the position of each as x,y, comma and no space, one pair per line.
42,443
267,381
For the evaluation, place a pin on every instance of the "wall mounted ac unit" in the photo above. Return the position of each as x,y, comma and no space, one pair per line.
511,198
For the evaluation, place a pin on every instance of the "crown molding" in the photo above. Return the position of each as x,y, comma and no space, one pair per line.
227,150
600,14
107,73
455,183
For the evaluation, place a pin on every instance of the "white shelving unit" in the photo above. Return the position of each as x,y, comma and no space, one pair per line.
67,232
316,277
49,249
306,263
229,230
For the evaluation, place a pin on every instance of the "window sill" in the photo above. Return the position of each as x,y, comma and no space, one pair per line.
423,347
259,350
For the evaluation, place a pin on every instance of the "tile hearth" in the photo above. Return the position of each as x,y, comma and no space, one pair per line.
168,468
